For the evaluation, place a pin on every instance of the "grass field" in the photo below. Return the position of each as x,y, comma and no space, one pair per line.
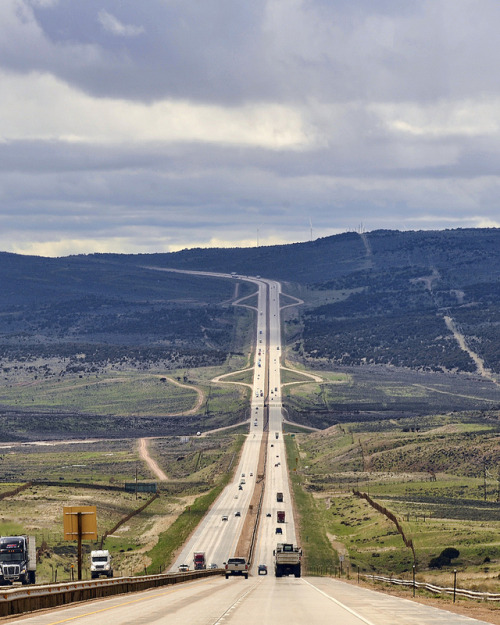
125,394
402,471
120,403
146,540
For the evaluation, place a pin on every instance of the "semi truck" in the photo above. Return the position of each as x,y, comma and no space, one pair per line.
279,496
281,516
17,559
199,562
287,559
100,563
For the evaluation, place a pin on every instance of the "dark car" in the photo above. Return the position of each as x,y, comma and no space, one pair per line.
279,530
268,514
237,513
262,569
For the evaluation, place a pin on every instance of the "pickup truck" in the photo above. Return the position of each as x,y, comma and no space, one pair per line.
236,566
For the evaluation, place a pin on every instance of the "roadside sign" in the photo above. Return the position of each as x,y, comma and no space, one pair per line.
87,524
80,523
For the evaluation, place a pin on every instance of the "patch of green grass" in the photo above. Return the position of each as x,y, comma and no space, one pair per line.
119,393
10,529
288,376
242,376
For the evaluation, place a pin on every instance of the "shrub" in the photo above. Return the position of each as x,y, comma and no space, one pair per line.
450,553
438,562
444,558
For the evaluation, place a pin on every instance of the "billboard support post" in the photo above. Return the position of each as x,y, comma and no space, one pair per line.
80,523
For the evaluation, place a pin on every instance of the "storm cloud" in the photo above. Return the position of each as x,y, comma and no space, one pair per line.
165,124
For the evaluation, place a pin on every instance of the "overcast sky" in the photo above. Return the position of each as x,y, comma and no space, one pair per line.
156,125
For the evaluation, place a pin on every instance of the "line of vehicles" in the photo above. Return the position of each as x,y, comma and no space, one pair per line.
199,563
287,561
287,556
18,557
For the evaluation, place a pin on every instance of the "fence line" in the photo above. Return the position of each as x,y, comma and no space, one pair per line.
460,592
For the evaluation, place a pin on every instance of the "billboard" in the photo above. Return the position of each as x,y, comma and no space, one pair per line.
80,520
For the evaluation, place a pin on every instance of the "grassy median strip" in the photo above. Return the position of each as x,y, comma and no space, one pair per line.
178,533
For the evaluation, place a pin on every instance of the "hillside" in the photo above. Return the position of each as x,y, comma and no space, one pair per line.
401,310
413,303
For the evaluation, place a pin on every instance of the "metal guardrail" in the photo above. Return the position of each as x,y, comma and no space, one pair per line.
459,592
30,598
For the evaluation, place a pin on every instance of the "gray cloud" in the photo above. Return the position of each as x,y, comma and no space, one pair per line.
162,124
115,27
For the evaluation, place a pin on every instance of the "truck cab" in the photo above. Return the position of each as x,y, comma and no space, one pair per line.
199,561
17,559
100,563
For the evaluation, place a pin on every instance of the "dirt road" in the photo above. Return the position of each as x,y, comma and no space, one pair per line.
144,454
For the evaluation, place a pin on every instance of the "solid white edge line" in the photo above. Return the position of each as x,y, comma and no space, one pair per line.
339,603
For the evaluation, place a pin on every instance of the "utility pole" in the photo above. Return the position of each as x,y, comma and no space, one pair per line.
484,477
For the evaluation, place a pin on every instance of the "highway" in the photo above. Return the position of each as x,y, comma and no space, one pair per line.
264,600
260,599
217,537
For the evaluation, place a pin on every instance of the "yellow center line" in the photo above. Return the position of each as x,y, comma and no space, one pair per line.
112,607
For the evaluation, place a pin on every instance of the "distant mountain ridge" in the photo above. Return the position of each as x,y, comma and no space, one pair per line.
425,304
329,257
401,279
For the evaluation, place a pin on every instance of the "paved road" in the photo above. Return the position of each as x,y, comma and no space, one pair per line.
263,600
214,536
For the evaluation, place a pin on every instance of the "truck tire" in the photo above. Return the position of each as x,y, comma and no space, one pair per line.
32,577
246,576
227,576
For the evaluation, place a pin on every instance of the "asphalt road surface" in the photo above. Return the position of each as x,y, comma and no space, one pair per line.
262,600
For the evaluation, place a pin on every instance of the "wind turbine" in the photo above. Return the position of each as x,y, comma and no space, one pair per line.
258,230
